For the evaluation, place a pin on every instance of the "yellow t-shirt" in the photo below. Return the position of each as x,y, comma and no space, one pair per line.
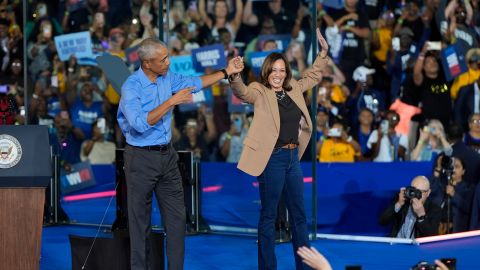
385,38
336,151
337,94
464,79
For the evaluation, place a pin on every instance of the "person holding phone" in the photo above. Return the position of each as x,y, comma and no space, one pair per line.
98,150
144,116
432,87
276,140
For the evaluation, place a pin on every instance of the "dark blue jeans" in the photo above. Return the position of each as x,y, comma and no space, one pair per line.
281,175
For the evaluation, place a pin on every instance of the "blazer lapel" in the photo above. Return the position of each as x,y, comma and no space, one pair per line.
272,102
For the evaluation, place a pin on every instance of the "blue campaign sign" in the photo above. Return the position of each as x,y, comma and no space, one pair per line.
281,40
79,177
237,105
453,61
183,65
211,56
77,44
257,59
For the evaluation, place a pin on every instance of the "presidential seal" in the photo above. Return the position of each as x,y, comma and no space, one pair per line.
10,151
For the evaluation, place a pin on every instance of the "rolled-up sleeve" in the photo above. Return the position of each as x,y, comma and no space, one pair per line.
131,106
179,82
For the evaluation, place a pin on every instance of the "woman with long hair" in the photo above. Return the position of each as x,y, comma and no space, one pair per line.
277,138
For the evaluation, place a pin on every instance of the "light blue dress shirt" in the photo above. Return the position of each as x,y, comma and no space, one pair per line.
140,96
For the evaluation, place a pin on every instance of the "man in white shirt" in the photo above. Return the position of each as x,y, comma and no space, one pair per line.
386,144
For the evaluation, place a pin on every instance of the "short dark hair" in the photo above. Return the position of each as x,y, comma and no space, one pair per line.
267,70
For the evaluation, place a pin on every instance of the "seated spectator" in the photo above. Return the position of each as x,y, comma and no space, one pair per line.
451,193
412,216
363,132
431,142
472,137
385,143
98,150
231,142
339,146
467,103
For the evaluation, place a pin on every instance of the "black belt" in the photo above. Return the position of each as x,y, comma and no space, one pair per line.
160,148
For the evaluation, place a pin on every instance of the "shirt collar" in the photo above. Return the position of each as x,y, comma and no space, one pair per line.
144,80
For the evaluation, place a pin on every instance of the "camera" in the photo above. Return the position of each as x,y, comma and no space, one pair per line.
424,266
447,166
412,192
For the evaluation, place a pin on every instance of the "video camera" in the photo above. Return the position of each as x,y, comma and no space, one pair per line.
412,192
447,166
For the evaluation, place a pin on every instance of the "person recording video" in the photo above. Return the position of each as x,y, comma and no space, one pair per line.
452,194
412,214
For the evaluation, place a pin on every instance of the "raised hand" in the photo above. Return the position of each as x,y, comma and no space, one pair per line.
323,44
183,96
313,258
235,65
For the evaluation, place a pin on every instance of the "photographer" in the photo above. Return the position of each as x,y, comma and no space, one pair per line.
411,213
452,194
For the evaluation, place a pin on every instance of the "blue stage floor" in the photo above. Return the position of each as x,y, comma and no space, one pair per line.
210,252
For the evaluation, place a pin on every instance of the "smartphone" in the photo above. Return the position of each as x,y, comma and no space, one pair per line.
396,44
54,81
101,125
64,114
384,126
4,89
22,110
434,45
192,27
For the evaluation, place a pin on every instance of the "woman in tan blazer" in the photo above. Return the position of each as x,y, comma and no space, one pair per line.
276,140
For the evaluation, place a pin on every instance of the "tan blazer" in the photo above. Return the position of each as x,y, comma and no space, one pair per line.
265,128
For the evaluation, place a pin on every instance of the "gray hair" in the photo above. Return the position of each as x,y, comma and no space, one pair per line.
147,48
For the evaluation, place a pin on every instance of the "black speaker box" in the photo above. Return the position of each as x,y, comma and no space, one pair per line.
112,253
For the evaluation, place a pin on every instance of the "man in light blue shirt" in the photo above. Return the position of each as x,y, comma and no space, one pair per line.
145,115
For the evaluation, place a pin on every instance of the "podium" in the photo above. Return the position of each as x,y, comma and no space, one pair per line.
25,171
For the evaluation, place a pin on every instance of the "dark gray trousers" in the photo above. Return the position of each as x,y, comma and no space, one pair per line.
149,171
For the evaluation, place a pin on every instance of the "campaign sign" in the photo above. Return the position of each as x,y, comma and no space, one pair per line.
211,56
281,40
453,61
132,56
80,177
257,59
183,65
77,44
202,97
236,105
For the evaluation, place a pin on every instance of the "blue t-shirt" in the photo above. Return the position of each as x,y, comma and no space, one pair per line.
83,117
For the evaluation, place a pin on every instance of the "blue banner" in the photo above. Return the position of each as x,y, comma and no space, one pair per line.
281,40
212,56
79,177
236,105
257,59
77,44
453,61
183,65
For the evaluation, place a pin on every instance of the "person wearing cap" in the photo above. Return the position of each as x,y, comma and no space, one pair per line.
473,74
367,97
